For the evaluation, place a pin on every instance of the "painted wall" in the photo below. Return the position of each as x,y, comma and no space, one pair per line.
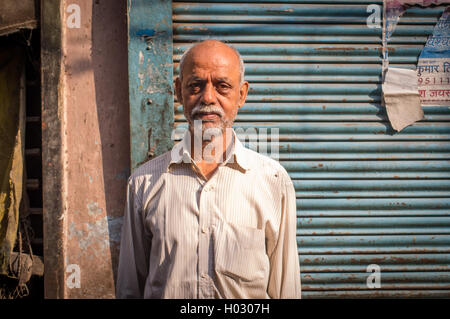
95,142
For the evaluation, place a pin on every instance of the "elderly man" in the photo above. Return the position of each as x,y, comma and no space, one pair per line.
211,218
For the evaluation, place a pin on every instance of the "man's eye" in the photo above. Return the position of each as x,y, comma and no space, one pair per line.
223,87
195,87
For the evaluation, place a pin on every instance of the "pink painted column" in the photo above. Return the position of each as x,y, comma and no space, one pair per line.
96,144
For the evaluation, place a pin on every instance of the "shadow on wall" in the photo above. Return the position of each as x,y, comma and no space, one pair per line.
110,67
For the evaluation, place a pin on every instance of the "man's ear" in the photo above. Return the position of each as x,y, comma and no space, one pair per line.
178,90
243,94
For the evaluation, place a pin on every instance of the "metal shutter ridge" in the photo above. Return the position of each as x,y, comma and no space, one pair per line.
364,194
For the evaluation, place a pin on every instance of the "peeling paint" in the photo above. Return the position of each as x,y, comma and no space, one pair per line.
89,177
141,76
145,33
91,234
93,209
141,58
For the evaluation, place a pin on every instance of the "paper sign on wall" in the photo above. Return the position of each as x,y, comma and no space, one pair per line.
433,67
401,97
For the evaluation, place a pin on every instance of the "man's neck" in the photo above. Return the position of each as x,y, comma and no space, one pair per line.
209,154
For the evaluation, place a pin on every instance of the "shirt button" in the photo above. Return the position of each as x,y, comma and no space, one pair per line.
204,230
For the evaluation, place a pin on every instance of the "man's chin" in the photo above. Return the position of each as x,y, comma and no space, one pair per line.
209,124
212,130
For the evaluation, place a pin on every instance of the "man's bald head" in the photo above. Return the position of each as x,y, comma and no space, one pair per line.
208,45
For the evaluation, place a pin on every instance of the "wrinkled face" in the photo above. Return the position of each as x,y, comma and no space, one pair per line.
211,90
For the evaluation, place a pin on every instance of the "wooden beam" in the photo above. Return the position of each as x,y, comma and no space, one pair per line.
52,163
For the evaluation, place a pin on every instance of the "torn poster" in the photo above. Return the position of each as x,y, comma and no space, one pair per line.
401,97
433,67
396,8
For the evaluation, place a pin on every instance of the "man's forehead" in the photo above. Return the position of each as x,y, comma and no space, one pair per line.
218,74
215,55
213,48
216,70
213,59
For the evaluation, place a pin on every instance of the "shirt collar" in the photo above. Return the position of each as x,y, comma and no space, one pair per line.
181,152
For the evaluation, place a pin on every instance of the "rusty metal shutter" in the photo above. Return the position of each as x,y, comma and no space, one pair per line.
365,195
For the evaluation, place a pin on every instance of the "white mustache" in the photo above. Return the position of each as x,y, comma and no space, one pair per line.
198,109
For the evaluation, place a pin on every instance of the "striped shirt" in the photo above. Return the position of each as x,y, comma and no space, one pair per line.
232,236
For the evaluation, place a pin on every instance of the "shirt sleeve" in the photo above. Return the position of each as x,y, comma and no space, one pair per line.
284,277
134,248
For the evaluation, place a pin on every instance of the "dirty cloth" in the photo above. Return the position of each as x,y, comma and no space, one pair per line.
12,133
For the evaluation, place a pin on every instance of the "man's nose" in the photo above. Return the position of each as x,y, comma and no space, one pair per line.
208,96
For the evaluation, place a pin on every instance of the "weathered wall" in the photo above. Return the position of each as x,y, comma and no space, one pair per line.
95,143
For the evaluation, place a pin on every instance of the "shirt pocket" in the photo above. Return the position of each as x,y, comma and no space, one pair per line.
240,253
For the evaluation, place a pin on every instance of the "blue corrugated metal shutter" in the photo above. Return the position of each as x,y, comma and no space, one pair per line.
365,195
